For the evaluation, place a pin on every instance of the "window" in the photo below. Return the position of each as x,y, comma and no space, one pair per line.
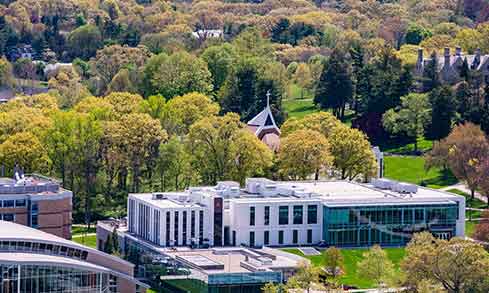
266,237
34,221
192,224
252,238
20,203
168,228
309,236
267,216
312,214
8,203
295,236
8,217
280,237
201,227
418,216
297,215
252,216
175,232
184,228
283,215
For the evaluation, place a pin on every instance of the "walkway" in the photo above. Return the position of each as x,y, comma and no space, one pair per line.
462,187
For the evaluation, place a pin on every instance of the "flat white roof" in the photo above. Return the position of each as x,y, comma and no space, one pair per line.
165,203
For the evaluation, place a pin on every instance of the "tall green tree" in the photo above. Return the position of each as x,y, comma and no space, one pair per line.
431,76
335,88
411,118
443,111
376,266
84,41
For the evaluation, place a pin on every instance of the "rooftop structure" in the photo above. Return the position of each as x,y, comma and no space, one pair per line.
264,127
269,213
450,65
36,201
35,261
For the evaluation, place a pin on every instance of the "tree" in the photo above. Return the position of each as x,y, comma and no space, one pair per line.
177,74
467,149
352,153
411,118
66,86
302,153
84,41
219,61
111,59
306,278
431,77
458,265
302,76
124,103
376,266
23,149
333,262
271,288
481,232
485,112
443,110
483,171
335,88
6,74
322,122
123,81
416,33
174,165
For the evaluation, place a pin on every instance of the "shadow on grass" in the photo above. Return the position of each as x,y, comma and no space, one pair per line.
446,178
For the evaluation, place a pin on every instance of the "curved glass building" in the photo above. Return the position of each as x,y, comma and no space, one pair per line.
35,261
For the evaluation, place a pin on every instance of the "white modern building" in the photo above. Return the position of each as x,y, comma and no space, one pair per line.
268,213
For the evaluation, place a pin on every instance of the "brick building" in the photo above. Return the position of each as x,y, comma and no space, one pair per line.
37,202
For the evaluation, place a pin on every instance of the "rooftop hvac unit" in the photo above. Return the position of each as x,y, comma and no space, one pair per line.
159,196
405,188
383,183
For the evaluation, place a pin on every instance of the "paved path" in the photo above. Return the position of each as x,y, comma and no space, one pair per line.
462,187
82,235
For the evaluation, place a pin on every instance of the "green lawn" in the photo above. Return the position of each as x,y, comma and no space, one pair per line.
299,108
81,229
471,203
470,228
411,169
351,259
90,241
394,146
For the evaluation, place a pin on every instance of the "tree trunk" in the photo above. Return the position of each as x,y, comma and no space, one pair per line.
472,194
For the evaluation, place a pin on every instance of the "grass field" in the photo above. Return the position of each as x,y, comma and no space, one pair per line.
90,241
80,229
351,259
411,169
404,147
299,108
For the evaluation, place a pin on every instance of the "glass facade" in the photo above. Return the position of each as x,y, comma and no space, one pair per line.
47,279
42,248
387,225
312,214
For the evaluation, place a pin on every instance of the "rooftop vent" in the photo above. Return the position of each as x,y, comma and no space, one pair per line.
405,188
159,195
383,183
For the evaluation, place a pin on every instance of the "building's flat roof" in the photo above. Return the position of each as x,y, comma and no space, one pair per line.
166,203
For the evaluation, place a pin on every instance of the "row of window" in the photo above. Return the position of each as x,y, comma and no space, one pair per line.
7,217
43,248
12,203
283,215
184,227
266,237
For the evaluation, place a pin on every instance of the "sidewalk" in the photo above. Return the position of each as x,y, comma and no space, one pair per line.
462,187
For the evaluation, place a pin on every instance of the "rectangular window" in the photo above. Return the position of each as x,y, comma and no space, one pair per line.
419,216
175,232
184,228
168,225
8,203
280,237
20,203
8,217
283,215
312,214
266,237
34,221
309,236
295,236
252,238
267,216
192,224
201,227
252,216
297,215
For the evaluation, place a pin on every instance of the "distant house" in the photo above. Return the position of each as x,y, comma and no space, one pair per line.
264,127
24,51
53,68
206,34
450,66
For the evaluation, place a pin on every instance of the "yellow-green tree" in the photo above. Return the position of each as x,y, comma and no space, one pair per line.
303,153
306,278
24,149
352,153
124,103
376,266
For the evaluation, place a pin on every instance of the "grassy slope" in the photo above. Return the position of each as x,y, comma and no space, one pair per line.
90,241
411,169
351,259
298,108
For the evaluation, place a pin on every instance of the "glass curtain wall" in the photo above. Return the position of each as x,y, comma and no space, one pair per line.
387,225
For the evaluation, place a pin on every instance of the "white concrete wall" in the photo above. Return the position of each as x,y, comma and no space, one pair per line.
240,222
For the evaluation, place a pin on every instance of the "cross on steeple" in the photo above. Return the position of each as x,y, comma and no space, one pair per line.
268,98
